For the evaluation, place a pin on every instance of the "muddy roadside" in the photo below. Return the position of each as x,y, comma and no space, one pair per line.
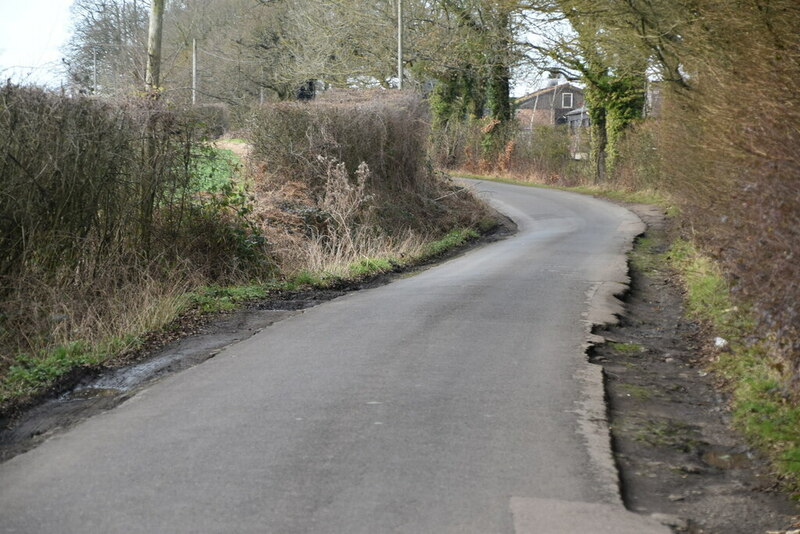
189,341
670,424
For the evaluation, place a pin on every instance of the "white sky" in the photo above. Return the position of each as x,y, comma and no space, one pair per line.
31,34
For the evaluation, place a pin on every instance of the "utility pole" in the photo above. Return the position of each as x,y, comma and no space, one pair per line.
153,73
399,44
194,71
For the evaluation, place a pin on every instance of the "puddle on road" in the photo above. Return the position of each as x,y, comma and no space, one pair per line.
127,378
727,460
115,386
181,354
93,393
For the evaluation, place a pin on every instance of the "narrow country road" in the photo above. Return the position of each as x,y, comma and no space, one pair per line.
458,400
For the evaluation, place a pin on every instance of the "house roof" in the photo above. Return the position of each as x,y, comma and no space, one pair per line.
540,92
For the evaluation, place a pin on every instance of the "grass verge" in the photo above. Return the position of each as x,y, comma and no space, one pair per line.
762,407
366,267
34,374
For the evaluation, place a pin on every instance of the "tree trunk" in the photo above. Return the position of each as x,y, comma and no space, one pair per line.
150,179
153,73
499,90
599,133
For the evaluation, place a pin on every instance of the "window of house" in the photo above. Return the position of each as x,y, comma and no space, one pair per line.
566,100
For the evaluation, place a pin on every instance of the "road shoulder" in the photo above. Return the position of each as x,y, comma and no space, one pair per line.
672,438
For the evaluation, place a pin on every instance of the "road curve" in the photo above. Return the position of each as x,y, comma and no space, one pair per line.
458,400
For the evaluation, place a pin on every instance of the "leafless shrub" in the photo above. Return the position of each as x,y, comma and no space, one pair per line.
347,176
346,205
542,155
210,120
388,136
457,145
97,202
641,161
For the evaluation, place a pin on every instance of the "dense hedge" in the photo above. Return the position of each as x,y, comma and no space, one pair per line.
727,148
97,195
386,130
347,176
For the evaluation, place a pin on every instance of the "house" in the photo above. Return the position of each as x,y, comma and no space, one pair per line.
549,106
577,118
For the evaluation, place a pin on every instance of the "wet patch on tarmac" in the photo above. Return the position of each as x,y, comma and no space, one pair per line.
98,391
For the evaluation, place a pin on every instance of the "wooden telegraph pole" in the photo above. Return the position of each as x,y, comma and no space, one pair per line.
194,71
153,73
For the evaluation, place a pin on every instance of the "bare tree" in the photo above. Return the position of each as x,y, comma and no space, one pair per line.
104,54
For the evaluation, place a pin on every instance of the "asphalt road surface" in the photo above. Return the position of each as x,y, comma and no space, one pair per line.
458,400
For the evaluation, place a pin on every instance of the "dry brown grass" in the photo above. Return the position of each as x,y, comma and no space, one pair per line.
347,178
100,225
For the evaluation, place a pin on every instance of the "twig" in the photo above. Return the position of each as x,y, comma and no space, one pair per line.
450,194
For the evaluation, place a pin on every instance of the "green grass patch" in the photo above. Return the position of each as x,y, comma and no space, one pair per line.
370,266
214,299
487,224
213,168
762,408
454,239
627,348
307,278
645,258
637,392
32,374
708,296
667,433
